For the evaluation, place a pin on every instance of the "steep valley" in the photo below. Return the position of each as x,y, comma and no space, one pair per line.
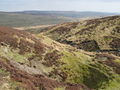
70,56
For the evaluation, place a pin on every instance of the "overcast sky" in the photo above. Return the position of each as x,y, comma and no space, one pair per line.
61,5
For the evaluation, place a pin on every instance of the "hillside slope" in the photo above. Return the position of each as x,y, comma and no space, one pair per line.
101,34
24,63
39,63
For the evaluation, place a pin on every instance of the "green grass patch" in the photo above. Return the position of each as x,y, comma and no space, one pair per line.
61,88
80,69
117,61
4,72
12,54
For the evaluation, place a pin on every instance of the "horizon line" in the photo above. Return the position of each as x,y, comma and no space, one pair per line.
56,11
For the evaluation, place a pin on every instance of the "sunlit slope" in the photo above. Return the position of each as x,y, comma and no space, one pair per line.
91,35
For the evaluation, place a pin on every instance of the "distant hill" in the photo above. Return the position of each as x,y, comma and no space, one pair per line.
72,14
19,20
33,18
